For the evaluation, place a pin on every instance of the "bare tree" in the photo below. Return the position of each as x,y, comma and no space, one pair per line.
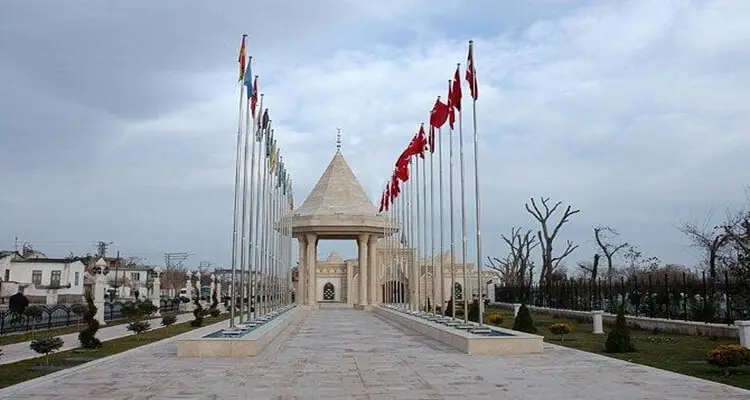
174,277
592,268
547,236
514,268
709,240
605,236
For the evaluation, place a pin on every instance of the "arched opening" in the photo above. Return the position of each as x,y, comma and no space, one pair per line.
329,292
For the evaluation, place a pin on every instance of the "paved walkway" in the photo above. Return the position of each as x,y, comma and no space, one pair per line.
21,351
345,354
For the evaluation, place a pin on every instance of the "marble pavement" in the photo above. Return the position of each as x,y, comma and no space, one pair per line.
346,354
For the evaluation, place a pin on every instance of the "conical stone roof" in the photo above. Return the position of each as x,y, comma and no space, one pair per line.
337,193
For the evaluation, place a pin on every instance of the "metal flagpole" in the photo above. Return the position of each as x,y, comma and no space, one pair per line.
465,293
418,237
245,224
262,249
478,206
424,235
252,227
435,275
452,217
440,190
237,173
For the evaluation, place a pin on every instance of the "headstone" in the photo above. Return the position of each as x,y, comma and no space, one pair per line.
596,316
743,329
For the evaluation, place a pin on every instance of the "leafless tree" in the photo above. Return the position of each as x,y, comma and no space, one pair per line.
547,235
591,268
711,241
174,277
605,236
515,267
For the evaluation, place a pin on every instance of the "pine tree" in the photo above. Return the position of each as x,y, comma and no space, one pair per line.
523,321
618,339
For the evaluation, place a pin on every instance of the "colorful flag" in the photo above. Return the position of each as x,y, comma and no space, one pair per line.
451,108
454,93
241,58
471,73
382,202
431,139
254,98
248,79
439,114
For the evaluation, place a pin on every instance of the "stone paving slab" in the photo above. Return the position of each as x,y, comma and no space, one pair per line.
21,351
346,354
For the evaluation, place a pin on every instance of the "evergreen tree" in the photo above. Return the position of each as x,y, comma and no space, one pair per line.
523,321
87,336
618,339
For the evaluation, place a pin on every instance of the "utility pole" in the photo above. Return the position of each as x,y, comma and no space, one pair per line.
101,248
174,260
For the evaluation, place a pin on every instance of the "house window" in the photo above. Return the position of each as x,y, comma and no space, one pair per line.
7,275
54,279
77,277
135,276
36,277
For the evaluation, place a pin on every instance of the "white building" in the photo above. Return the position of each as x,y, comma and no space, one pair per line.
44,280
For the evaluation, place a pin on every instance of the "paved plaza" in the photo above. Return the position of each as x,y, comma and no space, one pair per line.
346,354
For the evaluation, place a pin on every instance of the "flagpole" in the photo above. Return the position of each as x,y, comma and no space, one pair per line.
237,173
252,236
465,293
424,234
262,249
244,194
478,204
451,227
443,311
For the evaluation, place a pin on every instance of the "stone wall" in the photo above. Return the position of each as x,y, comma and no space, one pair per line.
644,323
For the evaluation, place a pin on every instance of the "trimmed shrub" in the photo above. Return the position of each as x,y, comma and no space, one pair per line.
87,336
168,319
474,311
46,346
618,339
138,327
729,356
198,313
523,321
214,312
560,330
449,308
495,319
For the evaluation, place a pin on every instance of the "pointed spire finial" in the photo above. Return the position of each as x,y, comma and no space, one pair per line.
338,140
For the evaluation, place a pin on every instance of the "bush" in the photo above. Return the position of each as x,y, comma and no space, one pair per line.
215,312
560,330
523,321
197,313
618,339
495,319
449,308
139,310
46,346
729,356
138,327
87,336
474,311
168,320
34,314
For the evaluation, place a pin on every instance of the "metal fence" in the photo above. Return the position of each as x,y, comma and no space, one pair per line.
683,296
66,315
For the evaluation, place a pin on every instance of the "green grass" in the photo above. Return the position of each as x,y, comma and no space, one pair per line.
678,353
59,331
22,371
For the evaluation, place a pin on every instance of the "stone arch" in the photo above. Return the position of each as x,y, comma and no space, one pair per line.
329,292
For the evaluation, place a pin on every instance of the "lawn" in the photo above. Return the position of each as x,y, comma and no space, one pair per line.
679,353
59,331
29,369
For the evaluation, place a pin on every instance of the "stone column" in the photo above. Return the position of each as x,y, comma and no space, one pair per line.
301,295
372,270
218,294
156,292
98,288
189,306
362,246
516,307
198,291
743,330
349,284
311,259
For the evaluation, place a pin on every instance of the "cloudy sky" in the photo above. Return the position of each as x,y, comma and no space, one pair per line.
118,119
